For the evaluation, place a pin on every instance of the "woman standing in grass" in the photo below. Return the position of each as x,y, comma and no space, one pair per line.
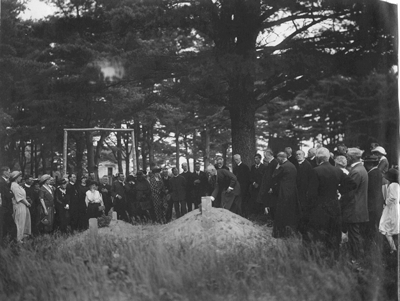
46,197
389,223
22,215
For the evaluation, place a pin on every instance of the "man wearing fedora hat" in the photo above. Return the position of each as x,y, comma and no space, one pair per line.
380,152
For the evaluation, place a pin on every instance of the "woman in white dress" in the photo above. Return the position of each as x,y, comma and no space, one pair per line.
22,216
389,223
94,201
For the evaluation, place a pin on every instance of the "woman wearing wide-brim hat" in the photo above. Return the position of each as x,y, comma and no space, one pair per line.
46,197
22,216
389,223
383,165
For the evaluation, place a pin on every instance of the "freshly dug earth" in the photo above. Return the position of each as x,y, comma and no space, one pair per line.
221,229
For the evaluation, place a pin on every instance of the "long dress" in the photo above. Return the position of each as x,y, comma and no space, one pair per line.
22,216
389,223
157,189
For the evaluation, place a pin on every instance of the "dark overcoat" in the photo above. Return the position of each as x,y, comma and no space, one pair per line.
224,180
355,208
268,199
287,207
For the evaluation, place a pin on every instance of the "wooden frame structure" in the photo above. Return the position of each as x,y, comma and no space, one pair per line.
65,146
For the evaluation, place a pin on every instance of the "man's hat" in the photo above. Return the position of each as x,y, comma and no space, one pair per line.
44,178
379,149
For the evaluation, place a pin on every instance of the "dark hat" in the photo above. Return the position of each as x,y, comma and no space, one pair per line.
91,182
139,173
372,159
62,181
130,178
156,169
392,175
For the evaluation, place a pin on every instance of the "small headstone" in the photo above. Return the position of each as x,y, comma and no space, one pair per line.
206,206
93,227
114,216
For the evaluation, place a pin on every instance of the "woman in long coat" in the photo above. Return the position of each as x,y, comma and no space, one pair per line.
46,197
22,216
157,197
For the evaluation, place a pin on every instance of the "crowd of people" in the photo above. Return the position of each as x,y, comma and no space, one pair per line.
323,197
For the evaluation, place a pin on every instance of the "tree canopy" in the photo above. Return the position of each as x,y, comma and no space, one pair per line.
193,78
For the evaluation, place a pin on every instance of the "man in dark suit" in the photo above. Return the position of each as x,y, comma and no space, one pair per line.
227,184
268,194
8,229
200,182
256,174
118,191
305,189
290,157
355,211
325,223
72,196
242,173
177,184
189,186
311,157
375,198
287,208
105,190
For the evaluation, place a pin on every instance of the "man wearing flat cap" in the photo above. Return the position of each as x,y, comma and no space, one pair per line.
355,210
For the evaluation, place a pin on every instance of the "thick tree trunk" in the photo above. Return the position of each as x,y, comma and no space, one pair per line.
206,156
177,155
90,151
185,142
97,155
43,156
243,132
150,144
36,161
144,147
194,149
127,155
225,152
119,149
80,147
32,157
136,128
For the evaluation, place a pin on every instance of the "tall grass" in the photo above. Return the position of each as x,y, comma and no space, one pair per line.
113,269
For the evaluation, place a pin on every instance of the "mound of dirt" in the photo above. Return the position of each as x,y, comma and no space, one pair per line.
221,229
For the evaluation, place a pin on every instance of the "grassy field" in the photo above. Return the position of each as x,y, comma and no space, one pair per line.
114,269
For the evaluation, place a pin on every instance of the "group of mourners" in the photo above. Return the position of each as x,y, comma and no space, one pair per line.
346,196
324,197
